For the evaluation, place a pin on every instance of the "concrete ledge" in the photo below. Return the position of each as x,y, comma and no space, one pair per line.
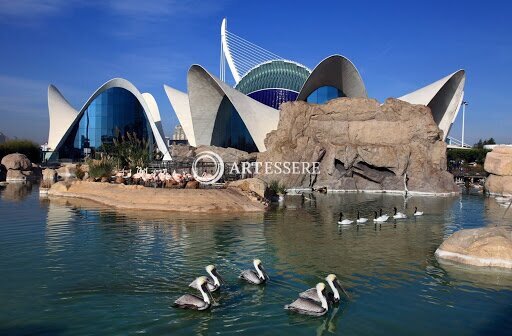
135,197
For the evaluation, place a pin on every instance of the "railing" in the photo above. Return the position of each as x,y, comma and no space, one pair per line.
230,174
455,143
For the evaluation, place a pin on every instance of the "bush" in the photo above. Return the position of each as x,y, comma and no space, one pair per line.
128,151
101,168
468,155
277,188
27,147
80,173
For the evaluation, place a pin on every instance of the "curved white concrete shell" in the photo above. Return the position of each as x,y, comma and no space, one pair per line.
180,104
206,92
155,112
60,114
444,98
336,71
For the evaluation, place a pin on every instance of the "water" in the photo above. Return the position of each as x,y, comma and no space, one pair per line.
75,268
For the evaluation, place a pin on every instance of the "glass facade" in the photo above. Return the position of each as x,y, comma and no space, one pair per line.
324,94
274,74
113,113
230,130
274,97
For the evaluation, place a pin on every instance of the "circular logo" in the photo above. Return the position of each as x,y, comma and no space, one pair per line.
208,167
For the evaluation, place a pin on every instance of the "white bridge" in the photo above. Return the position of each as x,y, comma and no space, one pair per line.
456,143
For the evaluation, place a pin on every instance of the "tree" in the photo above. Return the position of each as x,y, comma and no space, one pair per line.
27,147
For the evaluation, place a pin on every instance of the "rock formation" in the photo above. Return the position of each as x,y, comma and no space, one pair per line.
135,197
360,145
184,153
18,167
255,185
491,247
498,164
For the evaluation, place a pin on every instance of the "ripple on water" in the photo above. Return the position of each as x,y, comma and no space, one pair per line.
77,268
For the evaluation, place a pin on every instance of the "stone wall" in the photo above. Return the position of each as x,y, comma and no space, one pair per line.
361,145
498,164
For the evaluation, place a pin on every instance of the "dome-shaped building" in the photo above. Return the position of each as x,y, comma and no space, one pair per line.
274,82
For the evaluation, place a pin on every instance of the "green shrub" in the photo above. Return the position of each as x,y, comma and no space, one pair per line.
468,155
128,151
27,147
80,173
277,188
101,168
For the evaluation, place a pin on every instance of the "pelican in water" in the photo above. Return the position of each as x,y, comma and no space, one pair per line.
399,215
332,280
213,282
361,220
255,277
344,221
310,307
189,301
417,213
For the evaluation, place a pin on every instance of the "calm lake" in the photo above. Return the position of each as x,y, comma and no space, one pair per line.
72,267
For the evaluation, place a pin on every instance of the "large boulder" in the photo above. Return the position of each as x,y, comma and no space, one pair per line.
16,161
50,175
499,185
499,161
498,164
19,175
67,170
491,247
228,155
255,185
360,145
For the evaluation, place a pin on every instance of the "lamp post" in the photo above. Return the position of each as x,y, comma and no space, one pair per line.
464,104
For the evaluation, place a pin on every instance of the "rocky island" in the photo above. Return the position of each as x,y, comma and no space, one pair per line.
361,145
489,247
137,197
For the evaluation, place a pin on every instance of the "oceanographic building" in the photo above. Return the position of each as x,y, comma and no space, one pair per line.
215,113
114,109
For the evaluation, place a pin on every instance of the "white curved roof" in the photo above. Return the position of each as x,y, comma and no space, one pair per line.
180,104
205,95
337,71
58,107
444,98
62,115
197,111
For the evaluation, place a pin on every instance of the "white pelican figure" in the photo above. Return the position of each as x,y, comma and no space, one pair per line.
213,282
189,301
310,307
361,220
399,215
380,219
257,277
332,280
417,213
344,221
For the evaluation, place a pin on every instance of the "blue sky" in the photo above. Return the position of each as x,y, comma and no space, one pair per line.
398,46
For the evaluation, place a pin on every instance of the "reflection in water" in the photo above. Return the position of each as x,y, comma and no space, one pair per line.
78,267
16,191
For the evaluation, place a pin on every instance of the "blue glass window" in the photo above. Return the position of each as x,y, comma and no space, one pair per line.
324,94
112,114
230,130
273,97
